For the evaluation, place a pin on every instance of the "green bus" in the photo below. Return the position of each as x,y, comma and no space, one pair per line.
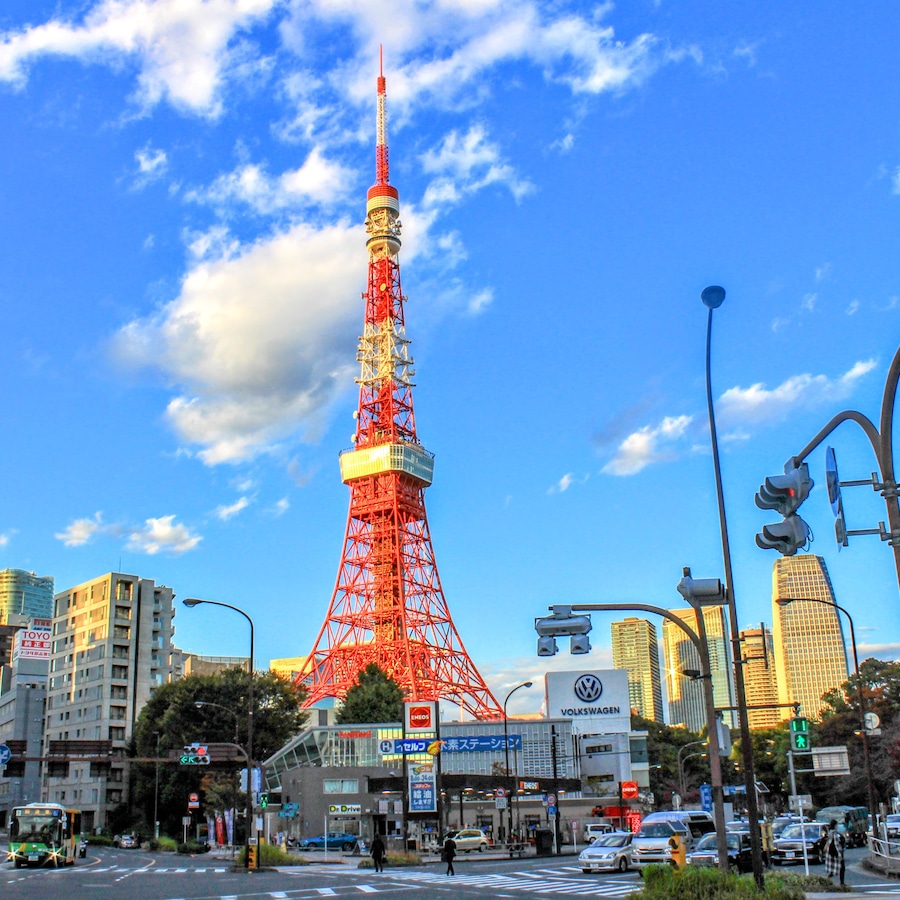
43,834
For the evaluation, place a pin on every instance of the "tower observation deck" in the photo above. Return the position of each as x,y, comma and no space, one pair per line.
388,605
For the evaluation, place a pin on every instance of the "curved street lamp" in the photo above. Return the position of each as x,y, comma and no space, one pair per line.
713,297
681,749
191,602
870,786
511,779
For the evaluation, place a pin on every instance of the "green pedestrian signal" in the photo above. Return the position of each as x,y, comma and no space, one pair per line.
264,799
799,733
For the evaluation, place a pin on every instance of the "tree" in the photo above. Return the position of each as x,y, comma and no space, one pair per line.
375,697
170,720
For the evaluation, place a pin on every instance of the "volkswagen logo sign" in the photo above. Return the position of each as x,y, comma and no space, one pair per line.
588,688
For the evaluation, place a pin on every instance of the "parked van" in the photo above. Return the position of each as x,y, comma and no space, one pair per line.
853,822
592,830
651,843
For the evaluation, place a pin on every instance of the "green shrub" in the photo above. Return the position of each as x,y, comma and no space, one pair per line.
192,847
99,840
166,844
270,855
393,859
667,883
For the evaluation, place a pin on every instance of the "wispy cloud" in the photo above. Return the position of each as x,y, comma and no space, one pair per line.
318,180
79,532
650,444
566,482
224,513
154,536
182,48
152,164
280,507
738,410
4,540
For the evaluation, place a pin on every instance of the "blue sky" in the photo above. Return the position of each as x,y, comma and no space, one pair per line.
183,190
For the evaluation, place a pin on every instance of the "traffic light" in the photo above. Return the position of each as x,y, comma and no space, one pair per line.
785,493
264,799
252,856
195,755
799,733
562,624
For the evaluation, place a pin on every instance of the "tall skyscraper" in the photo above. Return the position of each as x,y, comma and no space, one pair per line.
111,646
636,650
810,654
25,594
760,684
686,706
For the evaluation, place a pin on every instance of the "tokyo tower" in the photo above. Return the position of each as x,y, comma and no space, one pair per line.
388,606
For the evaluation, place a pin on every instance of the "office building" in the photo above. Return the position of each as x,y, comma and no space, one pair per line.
111,646
686,704
810,655
635,649
23,690
186,664
24,594
760,684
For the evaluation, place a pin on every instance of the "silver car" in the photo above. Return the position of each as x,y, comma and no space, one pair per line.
609,852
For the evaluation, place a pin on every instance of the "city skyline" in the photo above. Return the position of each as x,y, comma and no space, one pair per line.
181,273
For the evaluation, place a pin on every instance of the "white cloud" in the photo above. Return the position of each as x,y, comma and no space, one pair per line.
823,272
80,531
224,513
4,540
565,483
465,163
318,180
647,445
281,507
852,307
182,48
262,338
162,535
758,404
151,162
809,302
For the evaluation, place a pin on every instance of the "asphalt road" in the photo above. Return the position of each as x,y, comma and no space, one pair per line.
113,874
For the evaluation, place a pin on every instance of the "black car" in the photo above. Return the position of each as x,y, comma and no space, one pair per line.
706,852
789,847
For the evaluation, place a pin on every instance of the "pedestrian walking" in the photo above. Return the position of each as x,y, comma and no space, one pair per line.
834,852
448,853
377,852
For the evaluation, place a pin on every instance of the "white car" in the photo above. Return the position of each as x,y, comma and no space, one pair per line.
892,826
468,839
609,852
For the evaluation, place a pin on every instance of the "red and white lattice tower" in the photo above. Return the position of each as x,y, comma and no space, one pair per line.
388,606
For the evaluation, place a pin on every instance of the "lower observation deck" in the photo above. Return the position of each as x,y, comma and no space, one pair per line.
410,459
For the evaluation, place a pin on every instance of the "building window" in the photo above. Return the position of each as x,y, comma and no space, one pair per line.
116,734
120,671
341,786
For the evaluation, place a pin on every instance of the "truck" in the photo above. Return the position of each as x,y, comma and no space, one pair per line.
853,822
595,827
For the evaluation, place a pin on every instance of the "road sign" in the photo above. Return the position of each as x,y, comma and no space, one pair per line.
193,801
871,720
551,809
500,803
5,754
551,800
500,792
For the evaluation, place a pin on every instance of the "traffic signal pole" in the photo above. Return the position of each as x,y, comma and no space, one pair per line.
882,441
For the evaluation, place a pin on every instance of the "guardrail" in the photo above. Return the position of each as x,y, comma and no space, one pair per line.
886,854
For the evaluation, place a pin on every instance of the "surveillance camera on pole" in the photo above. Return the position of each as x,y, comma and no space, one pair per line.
784,494
562,624
701,591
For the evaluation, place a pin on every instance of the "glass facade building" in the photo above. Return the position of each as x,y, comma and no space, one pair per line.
25,594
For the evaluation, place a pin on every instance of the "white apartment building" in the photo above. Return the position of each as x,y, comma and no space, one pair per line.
111,646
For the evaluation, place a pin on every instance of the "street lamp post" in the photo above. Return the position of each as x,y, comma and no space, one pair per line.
156,792
191,602
200,704
681,749
511,778
870,785
712,298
